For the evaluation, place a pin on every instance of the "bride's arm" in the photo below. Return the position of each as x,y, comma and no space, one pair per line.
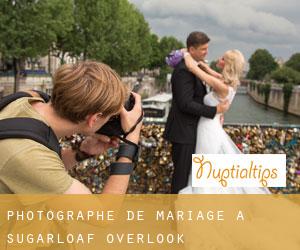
218,85
209,70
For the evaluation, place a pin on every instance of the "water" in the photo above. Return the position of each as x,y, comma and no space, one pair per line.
245,110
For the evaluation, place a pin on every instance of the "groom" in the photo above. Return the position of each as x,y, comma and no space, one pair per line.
187,107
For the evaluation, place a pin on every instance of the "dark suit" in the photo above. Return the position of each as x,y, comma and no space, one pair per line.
181,127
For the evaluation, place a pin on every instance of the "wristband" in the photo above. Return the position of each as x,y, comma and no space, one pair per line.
121,168
130,151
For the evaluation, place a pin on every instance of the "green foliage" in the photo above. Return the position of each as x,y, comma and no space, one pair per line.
287,93
130,38
92,21
155,57
29,28
166,45
213,65
114,32
260,89
294,62
266,91
160,48
252,86
286,75
261,63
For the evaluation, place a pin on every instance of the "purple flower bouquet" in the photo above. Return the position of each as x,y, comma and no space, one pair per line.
174,58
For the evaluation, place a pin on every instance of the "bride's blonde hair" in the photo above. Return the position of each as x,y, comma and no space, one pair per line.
233,68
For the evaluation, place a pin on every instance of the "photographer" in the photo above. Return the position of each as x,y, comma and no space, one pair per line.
85,96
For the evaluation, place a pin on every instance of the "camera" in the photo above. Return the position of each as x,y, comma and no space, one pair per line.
113,126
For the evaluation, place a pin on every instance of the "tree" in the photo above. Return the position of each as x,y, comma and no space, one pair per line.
160,48
92,22
213,65
294,62
286,75
29,27
155,57
261,63
129,38
166,45
63,39
144,41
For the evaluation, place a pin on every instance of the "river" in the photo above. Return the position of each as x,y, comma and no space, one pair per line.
245,110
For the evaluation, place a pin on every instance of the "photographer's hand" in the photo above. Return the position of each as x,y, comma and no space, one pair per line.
92,145
98,144
117,184
129,119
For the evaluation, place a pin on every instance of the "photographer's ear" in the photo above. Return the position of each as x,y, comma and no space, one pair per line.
94,119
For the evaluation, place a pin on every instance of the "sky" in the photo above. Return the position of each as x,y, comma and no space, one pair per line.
231,24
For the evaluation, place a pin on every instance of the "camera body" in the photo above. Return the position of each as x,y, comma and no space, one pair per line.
113,126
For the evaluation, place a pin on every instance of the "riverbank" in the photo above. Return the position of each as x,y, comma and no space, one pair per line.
276,97
245,110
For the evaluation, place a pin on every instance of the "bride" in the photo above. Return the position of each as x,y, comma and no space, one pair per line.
211,137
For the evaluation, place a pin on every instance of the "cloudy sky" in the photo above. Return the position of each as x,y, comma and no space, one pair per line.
241,24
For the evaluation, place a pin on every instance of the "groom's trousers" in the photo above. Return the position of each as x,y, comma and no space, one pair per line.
182,159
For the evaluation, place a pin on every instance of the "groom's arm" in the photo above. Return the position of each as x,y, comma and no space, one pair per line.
183,92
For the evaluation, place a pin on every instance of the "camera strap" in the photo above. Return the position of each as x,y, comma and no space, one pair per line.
123,137
28,128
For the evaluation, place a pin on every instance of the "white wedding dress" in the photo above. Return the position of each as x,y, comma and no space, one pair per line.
212,139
